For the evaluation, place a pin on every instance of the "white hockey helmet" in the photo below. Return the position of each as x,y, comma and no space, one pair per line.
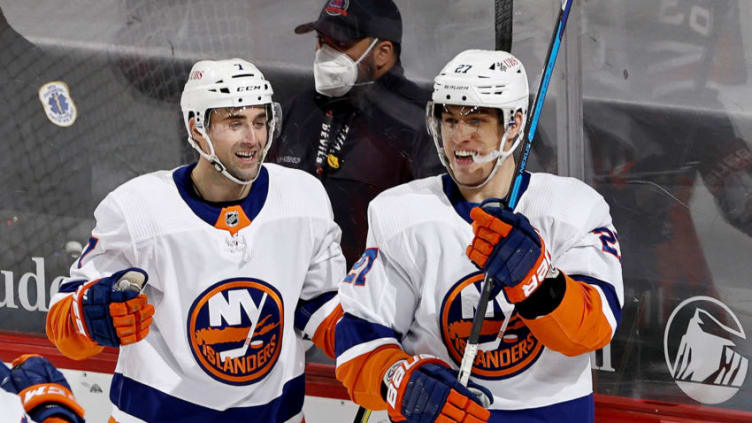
236,83
480,78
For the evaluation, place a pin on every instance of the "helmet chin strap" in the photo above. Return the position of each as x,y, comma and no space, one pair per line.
216,163
485,158
212,158
499,155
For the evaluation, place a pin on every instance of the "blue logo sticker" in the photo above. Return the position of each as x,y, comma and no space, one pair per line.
58,103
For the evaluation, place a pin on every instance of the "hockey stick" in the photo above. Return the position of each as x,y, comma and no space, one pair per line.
362,415
471,348
241,350
533,118
503,16
130,281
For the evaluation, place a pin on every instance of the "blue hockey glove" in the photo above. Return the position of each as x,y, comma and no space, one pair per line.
4,372
43,390
424,389
509,249
111,311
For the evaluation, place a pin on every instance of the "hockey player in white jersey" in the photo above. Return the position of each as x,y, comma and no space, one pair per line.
34,391
410,301
242,261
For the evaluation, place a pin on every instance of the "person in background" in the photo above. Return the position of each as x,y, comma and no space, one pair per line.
361,130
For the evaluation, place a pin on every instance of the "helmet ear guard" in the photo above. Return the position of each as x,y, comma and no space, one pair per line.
274,121
232,83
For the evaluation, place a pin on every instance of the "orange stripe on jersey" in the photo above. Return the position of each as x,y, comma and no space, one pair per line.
54,419
362,376
232,219
577,325
112,420
61,330
324,336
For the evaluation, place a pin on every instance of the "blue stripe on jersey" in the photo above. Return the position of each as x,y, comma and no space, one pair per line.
89,246
608,289
305,309
154,406
580,410
352,331
209,211
462,206
71,286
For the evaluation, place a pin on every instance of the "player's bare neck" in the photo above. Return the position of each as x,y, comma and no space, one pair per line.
497,187
477,195
214,187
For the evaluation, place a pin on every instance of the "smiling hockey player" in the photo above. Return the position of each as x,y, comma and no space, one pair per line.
409,302
242,259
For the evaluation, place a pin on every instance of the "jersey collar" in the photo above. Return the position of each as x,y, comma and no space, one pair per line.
210,212
462,206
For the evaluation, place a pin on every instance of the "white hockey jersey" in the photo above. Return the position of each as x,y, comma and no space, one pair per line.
12,408
234,287
414,286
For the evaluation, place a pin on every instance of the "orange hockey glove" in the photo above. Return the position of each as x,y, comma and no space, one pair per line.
44,392
111,311
423,389
509,249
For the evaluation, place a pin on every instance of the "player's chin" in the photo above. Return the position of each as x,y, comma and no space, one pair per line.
247,172
472,174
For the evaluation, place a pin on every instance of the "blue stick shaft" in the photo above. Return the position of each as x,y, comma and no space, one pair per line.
540,97
532,123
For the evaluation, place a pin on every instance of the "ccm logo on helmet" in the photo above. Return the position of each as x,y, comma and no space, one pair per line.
235,330
249,88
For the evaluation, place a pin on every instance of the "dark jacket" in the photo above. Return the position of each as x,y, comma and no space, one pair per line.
385,144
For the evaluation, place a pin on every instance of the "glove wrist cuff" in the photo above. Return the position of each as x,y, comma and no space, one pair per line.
390,372
540,271
546,299
77,310
399,374
36,395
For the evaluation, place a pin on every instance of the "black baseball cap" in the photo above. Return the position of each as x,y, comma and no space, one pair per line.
347,20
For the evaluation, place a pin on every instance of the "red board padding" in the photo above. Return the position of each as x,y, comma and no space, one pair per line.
14,344
612,409
320,382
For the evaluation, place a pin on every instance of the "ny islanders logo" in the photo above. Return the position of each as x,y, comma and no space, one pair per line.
235,330
497,358
703,345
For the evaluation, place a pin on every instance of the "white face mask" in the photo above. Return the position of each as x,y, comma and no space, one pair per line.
335,72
